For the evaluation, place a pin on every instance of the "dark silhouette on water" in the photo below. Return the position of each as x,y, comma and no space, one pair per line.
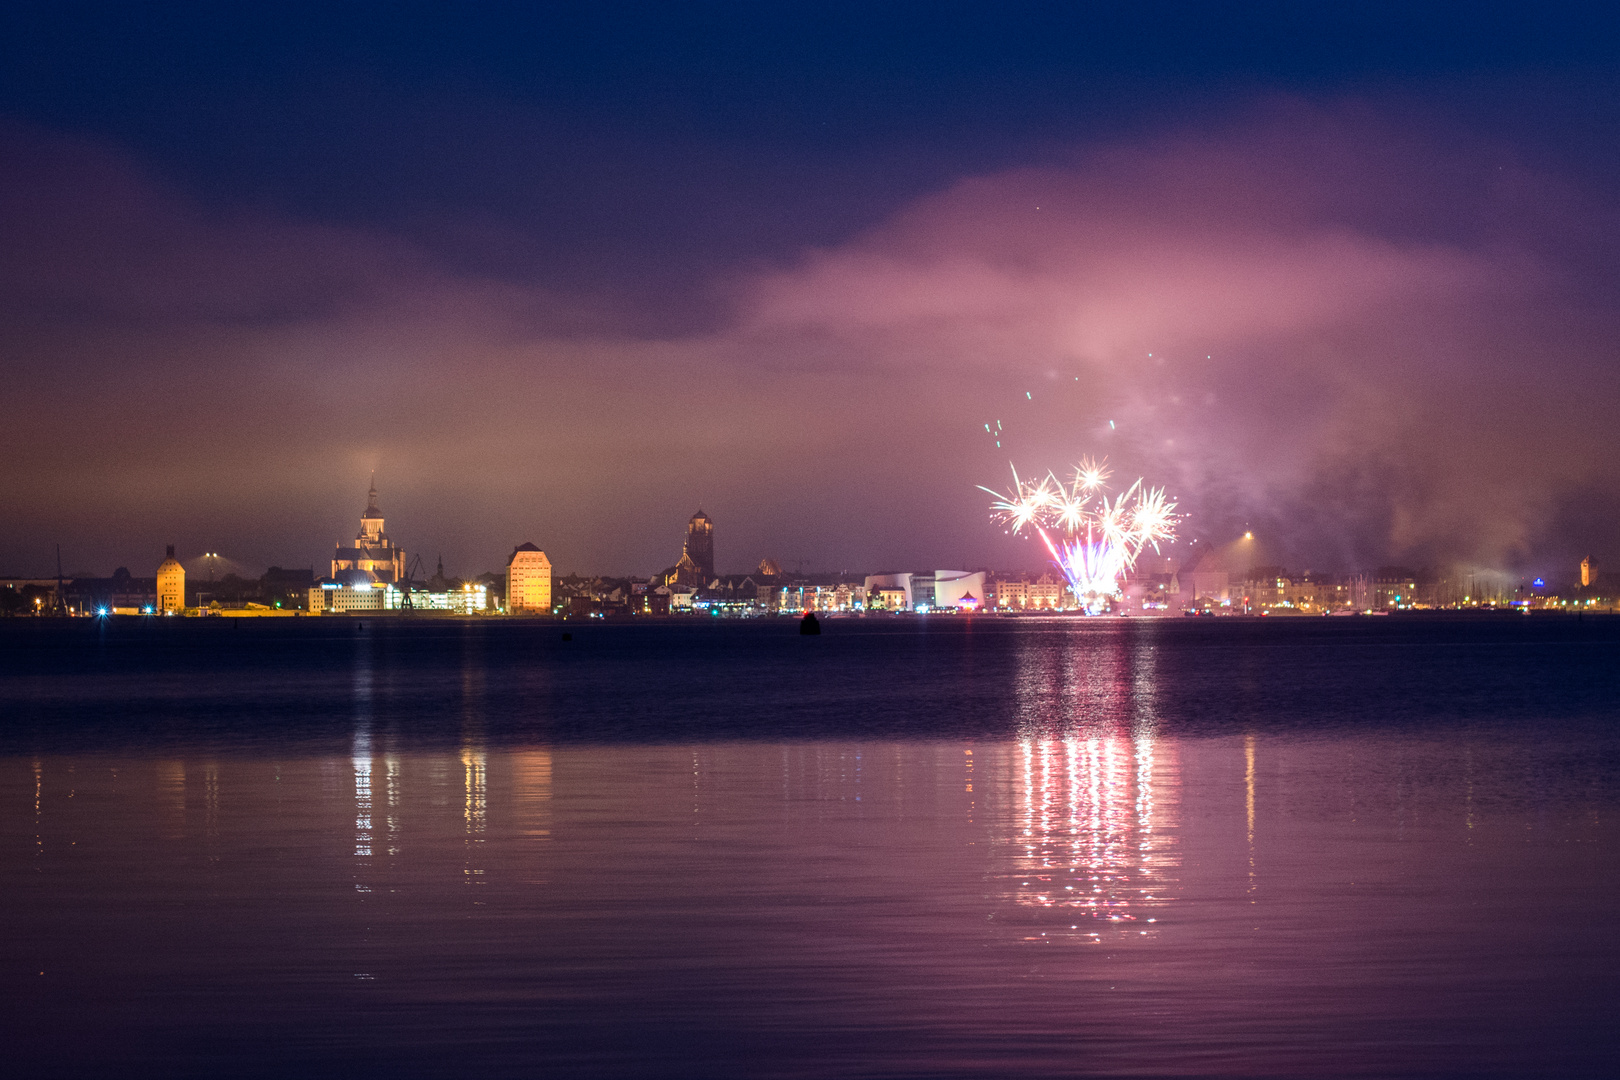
809,625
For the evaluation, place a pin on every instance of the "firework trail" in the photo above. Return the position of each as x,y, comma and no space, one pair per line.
1093,537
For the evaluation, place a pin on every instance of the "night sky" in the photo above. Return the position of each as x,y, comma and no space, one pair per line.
1345,275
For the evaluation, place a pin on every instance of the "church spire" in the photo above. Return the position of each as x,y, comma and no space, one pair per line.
371,522
372,510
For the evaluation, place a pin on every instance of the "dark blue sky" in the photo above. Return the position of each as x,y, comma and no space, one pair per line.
282,183
618,139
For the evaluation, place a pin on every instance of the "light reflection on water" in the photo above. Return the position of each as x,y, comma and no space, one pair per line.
777,889
1094,789
1095,832
1087,892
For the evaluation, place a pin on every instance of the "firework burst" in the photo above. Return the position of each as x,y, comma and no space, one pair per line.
1093,537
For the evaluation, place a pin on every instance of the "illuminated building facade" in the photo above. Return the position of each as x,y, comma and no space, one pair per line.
958,589
700,543
1153,592
340,598
372,555
1205,582
886,598
688,574
1394,587
823,596
171,584
1589,572
469,599
528,581
695,568
1011,593
922,590
1047,593
884,585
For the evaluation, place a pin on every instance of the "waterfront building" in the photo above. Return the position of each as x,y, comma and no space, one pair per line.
737,592
171,584
1274,589
687,573
121,594
826,595
372,553
700,545
1160,592
1010,593
695,568
1266,587
1332,593
27,596
528,581
953,588
1048,593
467,599
922,590
339,597
1206,581
886,598
345,597
1394,587
286,588
887,583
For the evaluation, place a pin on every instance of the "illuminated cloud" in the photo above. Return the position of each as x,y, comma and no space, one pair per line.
1369,342
1317,319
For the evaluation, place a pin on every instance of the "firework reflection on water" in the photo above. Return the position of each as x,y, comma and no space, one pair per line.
1094,841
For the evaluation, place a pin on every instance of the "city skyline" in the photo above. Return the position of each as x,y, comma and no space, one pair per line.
580,273
1100,565
1240,553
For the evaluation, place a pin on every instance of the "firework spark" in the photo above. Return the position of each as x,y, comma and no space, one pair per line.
1093,537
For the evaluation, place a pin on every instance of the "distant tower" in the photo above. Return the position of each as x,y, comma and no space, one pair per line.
700,544
372,553
371,522
171,584
1589,572
528,581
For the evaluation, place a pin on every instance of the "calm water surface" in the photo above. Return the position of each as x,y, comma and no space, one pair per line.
1360,847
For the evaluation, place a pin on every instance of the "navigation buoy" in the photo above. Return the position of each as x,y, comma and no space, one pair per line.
809,625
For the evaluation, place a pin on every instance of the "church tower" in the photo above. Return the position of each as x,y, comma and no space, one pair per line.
373,557
371,522
700,544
